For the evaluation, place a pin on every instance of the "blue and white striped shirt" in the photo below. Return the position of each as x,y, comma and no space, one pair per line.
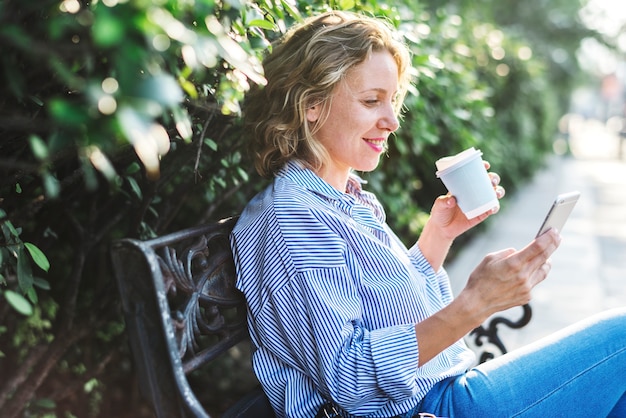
333,296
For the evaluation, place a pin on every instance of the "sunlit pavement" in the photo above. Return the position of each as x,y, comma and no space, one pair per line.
589,269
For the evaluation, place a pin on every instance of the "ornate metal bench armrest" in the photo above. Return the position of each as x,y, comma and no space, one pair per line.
181,308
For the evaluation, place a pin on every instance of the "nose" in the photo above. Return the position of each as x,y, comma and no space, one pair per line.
389,120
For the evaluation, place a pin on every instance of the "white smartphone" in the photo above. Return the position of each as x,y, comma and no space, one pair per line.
559,212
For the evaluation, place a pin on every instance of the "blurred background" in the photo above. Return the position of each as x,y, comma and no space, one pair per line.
122,118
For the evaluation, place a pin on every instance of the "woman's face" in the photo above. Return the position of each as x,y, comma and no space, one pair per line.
360,119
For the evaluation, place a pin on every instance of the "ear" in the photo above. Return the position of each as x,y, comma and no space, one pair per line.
313,113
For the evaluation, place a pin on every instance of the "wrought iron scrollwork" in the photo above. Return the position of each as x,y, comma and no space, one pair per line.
491,332
206,307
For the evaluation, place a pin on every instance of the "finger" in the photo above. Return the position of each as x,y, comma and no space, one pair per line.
541,273
538,251
495,182
495,178
486,164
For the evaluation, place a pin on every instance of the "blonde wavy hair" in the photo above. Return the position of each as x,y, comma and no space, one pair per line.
303,70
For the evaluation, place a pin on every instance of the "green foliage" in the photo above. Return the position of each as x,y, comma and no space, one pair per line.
121,118
15,262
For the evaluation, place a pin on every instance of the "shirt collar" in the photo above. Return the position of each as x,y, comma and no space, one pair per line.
354,196
297,172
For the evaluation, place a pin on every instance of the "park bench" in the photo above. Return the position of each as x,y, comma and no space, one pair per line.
182,311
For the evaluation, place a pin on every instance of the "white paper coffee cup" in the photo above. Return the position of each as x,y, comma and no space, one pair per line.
466,178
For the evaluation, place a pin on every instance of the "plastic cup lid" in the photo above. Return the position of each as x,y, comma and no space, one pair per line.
447,162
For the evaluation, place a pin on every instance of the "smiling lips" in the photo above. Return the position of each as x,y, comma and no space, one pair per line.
377,144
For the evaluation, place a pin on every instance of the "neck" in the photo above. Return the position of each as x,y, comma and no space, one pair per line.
338,180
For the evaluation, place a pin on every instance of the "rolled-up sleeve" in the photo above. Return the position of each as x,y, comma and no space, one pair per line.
325,331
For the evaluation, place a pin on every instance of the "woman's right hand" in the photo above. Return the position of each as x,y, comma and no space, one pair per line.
502,280
505,279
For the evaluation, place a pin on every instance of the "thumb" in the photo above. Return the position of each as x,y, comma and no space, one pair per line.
443,210
444,203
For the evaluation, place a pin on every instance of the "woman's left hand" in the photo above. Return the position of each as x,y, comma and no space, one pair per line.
446,215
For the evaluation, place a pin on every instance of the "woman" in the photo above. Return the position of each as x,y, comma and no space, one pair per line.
345,319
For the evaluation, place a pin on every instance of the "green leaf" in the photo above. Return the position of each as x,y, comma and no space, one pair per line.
144,134
32,295
41,283
91,385
67,113
18,302
45,403
107,30
162,89
133,168
221,182
183,123
24,272
262,23
8,226
39,148
233,53
210,143
38,256
292,10
51,185
134,186
243,174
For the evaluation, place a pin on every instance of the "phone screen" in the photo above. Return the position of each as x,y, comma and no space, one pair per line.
559,212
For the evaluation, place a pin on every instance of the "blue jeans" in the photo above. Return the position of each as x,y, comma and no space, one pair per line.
578,372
